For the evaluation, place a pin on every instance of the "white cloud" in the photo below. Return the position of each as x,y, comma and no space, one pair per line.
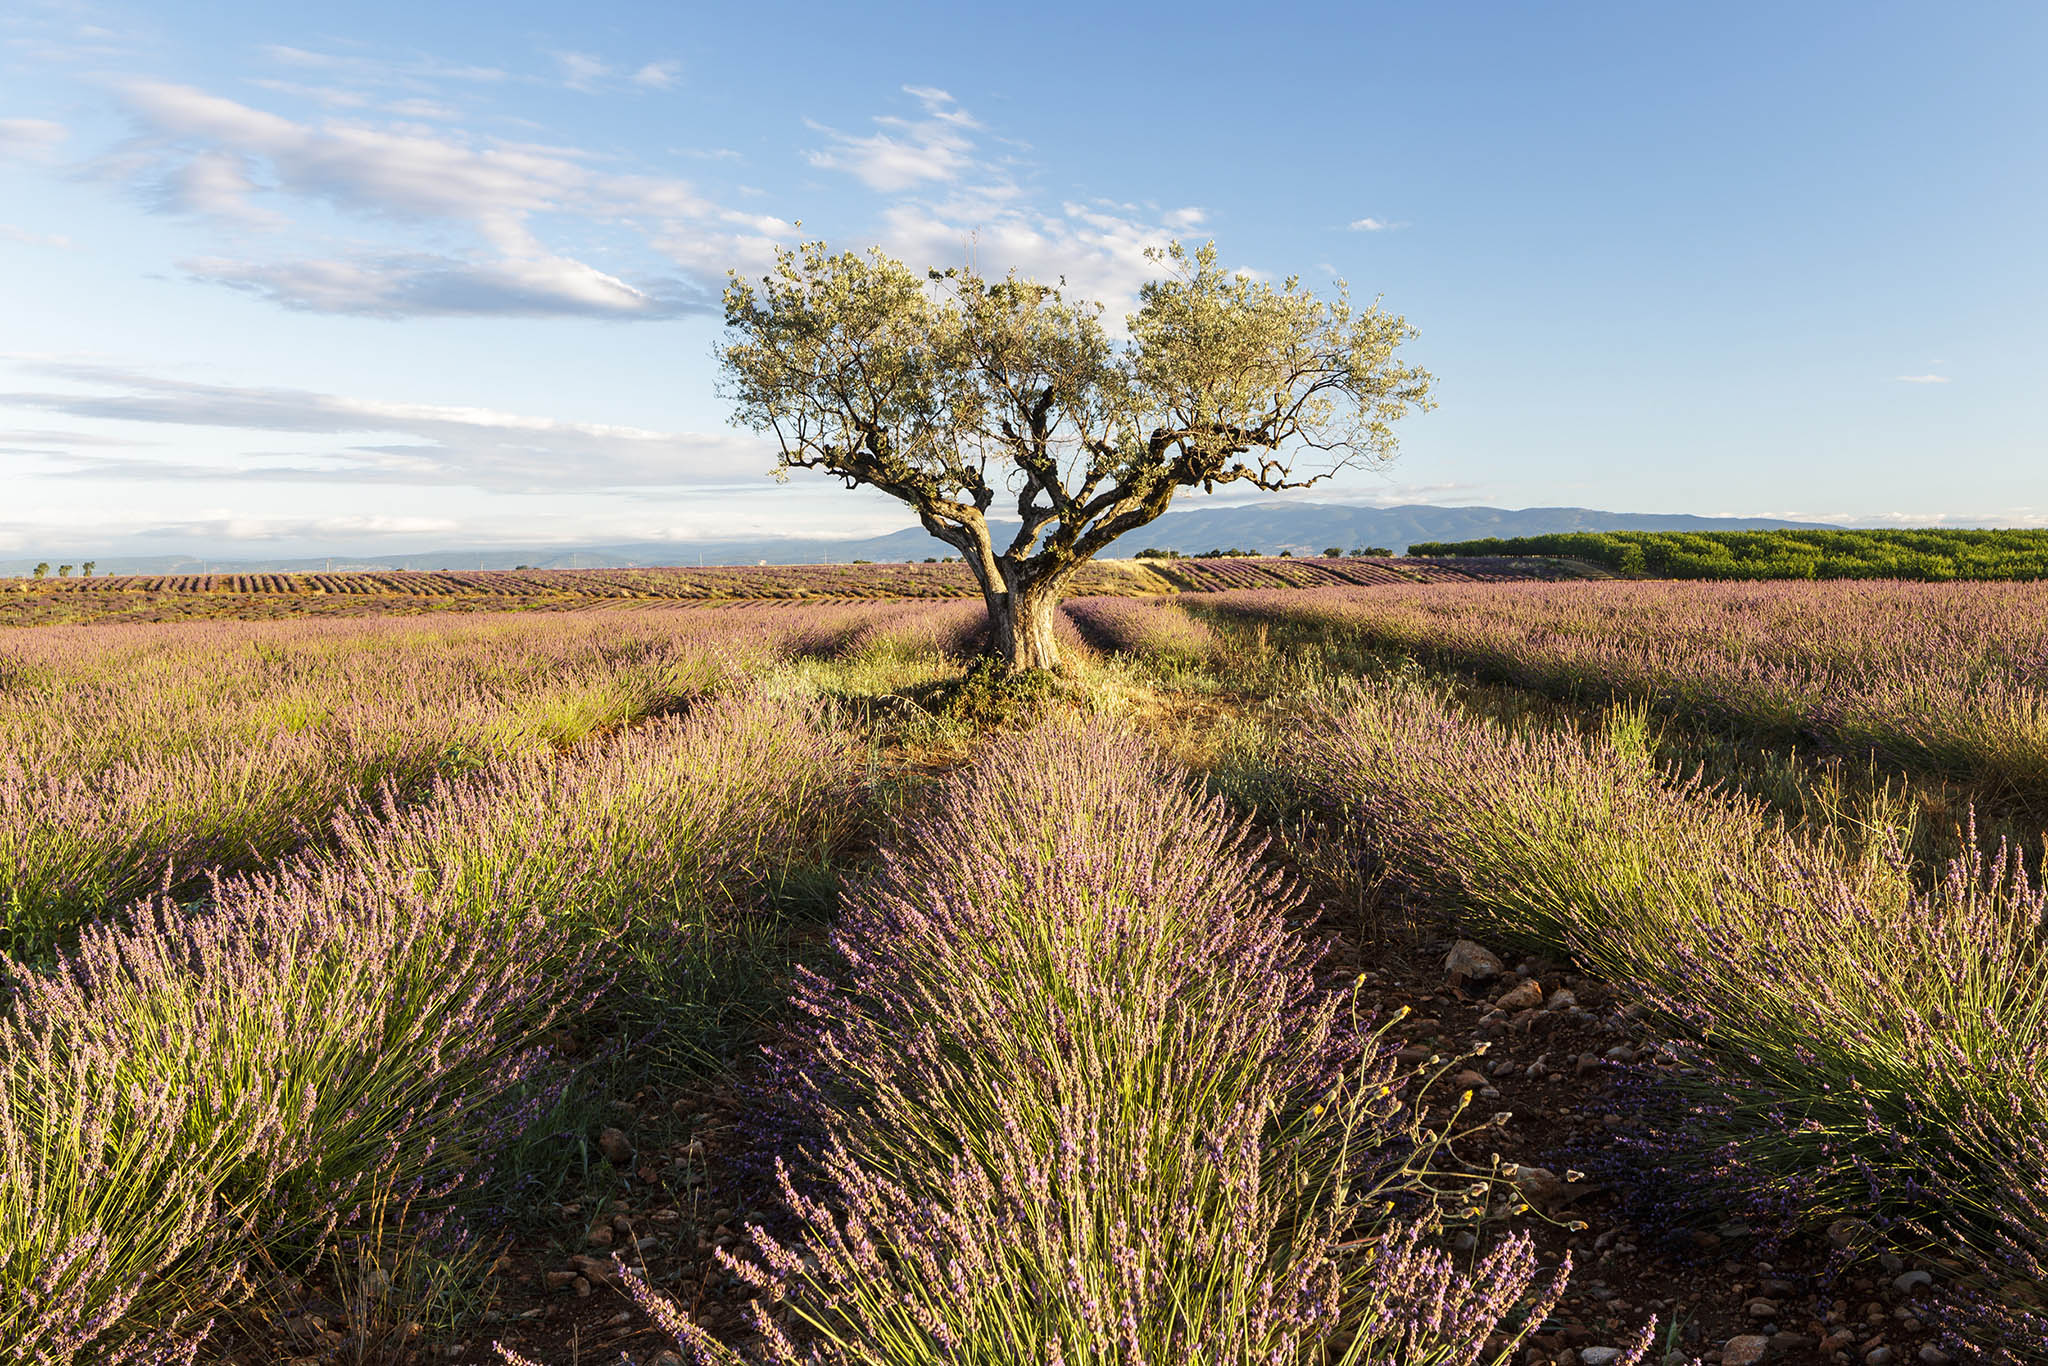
225,525
202,153
30,139
1101,255
986,216
1920,379
1370,225
383,71
10,233
393,442
357,167
2008,517
105,536
399,285
422,109
658,75
218,185
580,70
907,152
331,97
198,152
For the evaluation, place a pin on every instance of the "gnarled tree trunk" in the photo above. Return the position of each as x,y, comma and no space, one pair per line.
1020,623
1023,597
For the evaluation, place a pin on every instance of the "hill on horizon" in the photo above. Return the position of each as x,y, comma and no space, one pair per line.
1299,528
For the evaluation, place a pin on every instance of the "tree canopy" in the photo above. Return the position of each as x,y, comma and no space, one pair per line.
962,395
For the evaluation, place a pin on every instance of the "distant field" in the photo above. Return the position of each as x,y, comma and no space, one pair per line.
184,597
1934,555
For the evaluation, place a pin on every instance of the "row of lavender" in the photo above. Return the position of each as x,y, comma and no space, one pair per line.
1864,1052
1948,680
888,579
1072,1092
140,757
1157,631
253,1081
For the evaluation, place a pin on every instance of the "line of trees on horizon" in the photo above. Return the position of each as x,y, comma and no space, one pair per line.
1929,554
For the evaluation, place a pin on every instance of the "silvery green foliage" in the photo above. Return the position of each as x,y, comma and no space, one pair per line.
956,394
1855,1043
369,1025
254,1071
1075,1095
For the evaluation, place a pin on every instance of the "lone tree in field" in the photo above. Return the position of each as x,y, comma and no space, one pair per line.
951,392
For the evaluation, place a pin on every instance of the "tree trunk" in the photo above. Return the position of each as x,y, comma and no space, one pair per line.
1020,628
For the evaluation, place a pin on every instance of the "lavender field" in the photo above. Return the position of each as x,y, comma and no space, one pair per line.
1463,972
188,597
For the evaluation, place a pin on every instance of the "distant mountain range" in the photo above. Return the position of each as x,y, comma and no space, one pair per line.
1301,528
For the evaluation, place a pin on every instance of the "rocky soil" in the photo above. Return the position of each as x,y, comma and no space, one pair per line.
1556,1049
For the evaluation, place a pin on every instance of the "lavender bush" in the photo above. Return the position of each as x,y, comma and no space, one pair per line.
1860,1043
1546,838
640,828
1158,630
207,1080
1077,1097
1999,1314
362,1028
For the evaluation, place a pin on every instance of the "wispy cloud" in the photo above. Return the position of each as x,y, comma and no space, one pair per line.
2007,517
229,526
395,442
30,139
45,439
210,529
401,285
1920,379
580,70
972,206
218,185
1374,225
906,152
586,72
343,97
384,70
11,233
197,152
1100,254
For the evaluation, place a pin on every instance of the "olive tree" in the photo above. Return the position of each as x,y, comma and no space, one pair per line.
962,395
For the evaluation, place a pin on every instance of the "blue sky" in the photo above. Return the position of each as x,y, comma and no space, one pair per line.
324,279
